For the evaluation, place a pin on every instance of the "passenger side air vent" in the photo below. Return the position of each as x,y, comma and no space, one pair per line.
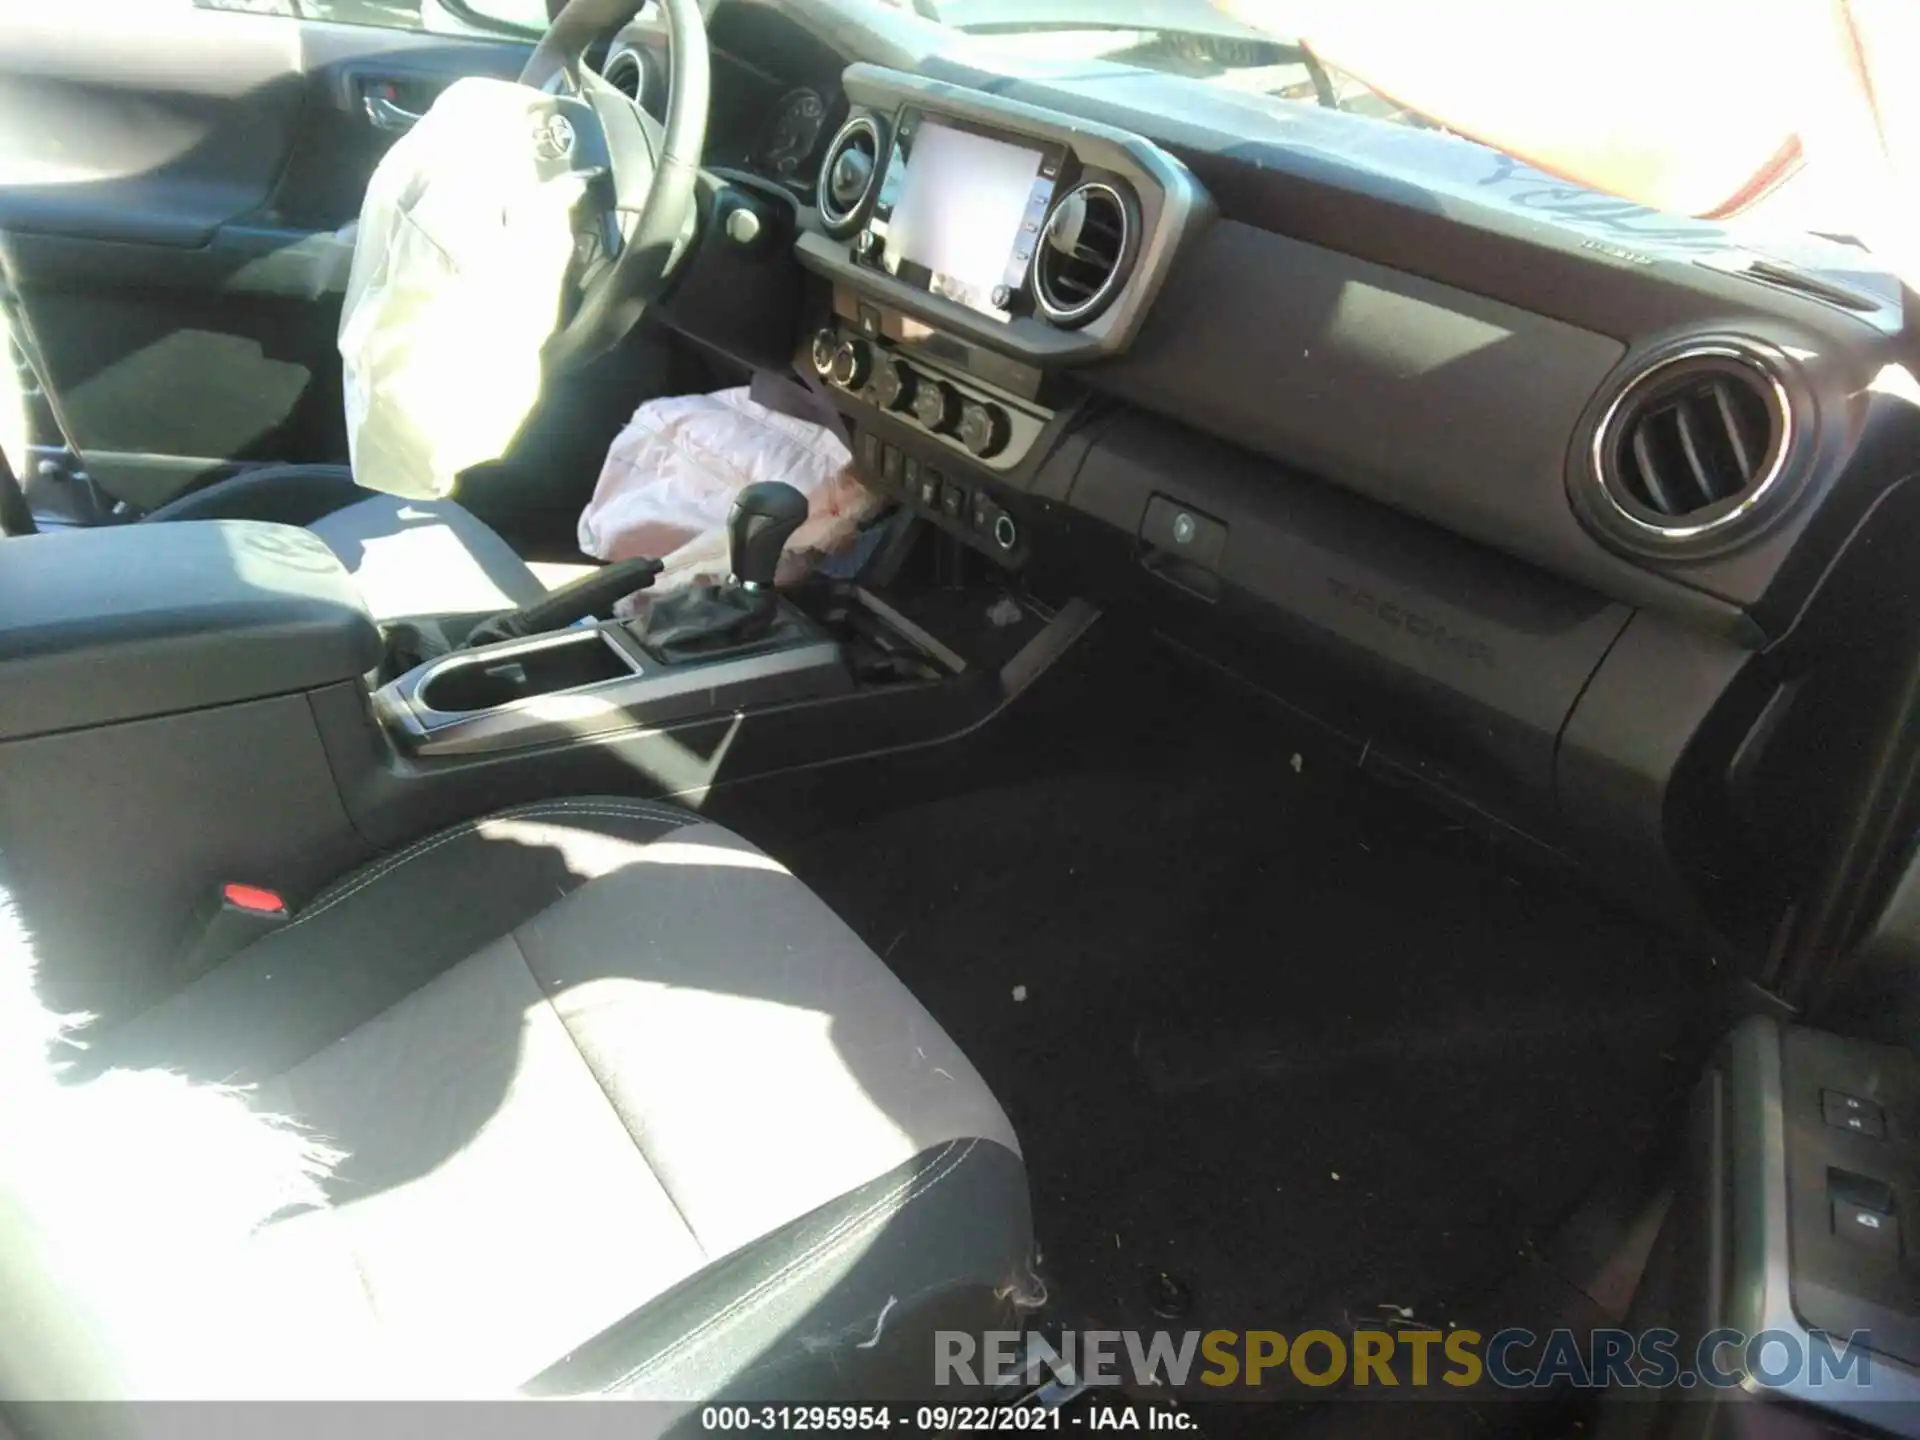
1084,250
847,175
1695,442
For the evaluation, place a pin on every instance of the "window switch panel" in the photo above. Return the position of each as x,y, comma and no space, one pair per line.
1850,1112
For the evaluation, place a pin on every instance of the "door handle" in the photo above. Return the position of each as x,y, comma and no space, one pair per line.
383,114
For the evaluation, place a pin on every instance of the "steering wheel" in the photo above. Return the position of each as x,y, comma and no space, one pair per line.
638,226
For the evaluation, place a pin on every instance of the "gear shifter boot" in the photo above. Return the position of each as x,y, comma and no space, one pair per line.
712,619
708,620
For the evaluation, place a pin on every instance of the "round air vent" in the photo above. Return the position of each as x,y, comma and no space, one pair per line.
625,71
847,175
1084,251
1694,443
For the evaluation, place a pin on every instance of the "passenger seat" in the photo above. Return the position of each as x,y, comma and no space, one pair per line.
626,1111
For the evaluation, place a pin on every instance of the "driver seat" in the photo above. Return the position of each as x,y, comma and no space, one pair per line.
410,558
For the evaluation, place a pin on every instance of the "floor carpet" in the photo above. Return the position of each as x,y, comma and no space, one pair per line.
1280,1042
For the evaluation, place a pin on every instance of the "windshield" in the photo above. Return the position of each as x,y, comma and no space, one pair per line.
1788,128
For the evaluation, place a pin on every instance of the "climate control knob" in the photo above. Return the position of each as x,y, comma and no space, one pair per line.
852,364
825,345
984,428
894,384
936,405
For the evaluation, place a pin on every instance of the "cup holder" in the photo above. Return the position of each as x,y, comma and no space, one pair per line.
489,679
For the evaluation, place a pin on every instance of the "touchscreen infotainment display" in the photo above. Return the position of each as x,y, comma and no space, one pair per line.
960,212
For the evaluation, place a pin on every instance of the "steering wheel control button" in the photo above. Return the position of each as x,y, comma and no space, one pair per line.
894,384
1194,536
1850,1112
984,428
852,364
936,405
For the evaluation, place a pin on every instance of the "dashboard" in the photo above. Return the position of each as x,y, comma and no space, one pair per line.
1535,492
777,96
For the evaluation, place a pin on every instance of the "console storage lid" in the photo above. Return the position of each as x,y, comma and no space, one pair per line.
106,625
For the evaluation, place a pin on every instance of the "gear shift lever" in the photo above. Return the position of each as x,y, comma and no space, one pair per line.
712,619
763,519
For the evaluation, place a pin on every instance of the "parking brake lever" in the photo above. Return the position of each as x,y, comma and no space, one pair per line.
572,602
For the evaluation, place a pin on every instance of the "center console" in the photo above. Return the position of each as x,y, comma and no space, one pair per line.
976,251
1040,236
198,704
713,647
192,705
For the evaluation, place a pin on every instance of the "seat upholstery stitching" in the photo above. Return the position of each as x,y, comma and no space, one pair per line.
513,938
914,1189
536,810
421,848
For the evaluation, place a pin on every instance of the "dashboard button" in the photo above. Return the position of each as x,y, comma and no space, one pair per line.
1006,534
894,384
984,428
927,489
953,502
936,405
1190,534
869,446
984,511
853,364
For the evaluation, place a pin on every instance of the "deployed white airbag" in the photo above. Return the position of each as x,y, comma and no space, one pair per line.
672,474
457,282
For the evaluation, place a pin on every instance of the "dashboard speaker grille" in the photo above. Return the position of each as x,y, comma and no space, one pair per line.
1081,259
1694,442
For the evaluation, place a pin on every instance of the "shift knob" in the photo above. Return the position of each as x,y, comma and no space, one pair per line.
763,519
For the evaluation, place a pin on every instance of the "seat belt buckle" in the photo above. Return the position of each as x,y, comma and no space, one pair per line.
240,915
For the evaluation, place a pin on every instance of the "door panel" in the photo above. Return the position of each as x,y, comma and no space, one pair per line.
173,182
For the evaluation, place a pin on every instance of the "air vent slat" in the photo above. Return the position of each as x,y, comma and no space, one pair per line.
1735,427
1650,480
1707,482
1689,445
1082,254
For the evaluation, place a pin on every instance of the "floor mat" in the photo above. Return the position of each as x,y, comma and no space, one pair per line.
1287,1037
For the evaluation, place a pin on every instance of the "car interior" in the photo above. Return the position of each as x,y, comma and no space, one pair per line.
1366,775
